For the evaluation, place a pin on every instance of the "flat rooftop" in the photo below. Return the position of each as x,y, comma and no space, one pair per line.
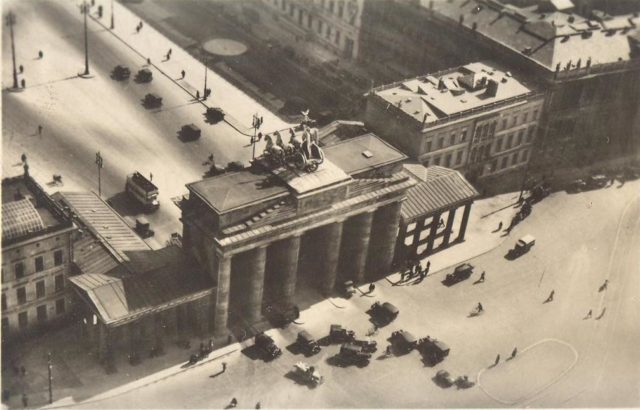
302,182
430,98
546,38
362,153
236,189
26,209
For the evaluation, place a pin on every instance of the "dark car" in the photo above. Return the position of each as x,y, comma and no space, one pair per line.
144,76
215,114
152,100
143,227
384,313
434,350
460,273
282,315
523,245
368,346
597,181
404,341
338,334
444,379
190,132
121,72
577,185
267,346
353,354
308,342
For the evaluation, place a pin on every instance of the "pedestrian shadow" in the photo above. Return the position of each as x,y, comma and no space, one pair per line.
52,82
216,374
174,107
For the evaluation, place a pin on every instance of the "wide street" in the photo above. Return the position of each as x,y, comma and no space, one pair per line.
82,116
564,359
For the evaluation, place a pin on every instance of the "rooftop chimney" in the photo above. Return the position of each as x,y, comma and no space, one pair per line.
492,88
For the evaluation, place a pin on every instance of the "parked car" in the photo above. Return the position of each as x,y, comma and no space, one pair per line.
384,313
308,374
577,185
121,72
460,273
443,378
369,346
338,334
215,114
281,315
308,342
144,75
404,341
597,181
353,354
143,228
523,245
267,346
434,350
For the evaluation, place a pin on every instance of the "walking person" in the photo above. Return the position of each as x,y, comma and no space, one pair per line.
169,52
40,54
197,94
514,352
500,226
150,176
23,83
550,298
21,69
148,61
604,285
224,367
426,271
183,74
497,360
481,277
480,308
589,314
233,402
372,287
258,406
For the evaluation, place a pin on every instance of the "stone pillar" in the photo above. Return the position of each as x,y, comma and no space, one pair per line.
384,236
356,245
288,258
222,296
255,288
463,224
447,231
434,230
329,250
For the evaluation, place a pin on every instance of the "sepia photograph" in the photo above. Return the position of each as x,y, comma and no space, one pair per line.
320,204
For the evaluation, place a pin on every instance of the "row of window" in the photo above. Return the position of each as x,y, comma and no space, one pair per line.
450,159
519,118
515,139
19,267
510,160
21,292
442,141
41,315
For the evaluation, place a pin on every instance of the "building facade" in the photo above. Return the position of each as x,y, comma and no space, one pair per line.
36,258
333,24
588,68
476,119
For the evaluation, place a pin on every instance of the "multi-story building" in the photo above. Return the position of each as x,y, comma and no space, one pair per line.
476,118
333,24
589,69
36,258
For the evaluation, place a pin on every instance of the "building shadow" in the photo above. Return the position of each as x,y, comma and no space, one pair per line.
125,205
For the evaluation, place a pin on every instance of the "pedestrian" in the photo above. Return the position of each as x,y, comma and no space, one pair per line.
372,287
21,69
514,352
211,345
23,83
169,52
25,400
40,55
138,28
197,94
233,402
428,267
481,277
500,226
589,314
258,406
224,367
479,307
602,314
141,25
167,57
148,61
550,298
497,360
23,157
150,176
183,73
604,285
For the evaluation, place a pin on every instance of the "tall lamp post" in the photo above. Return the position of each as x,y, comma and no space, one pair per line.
11,20
113,25
85,11
50,378
99,164
257,122
204,93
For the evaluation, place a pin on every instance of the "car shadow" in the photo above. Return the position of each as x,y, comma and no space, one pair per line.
125,205
252,352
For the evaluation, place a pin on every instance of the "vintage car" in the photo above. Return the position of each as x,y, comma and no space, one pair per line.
307,342
369,346
121,72
461,272
267,346
348,289
523,245
190,132
338,334
597,181
152,100
282,315
308,374
143,227
444,379
433,349
404,341
353,354
144,75
384,313
214,114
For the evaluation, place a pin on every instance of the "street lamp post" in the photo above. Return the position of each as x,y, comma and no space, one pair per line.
11,20
99,163
204,93
257,122
112,19
85,11
50,378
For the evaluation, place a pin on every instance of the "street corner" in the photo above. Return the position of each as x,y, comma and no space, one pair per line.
524,376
